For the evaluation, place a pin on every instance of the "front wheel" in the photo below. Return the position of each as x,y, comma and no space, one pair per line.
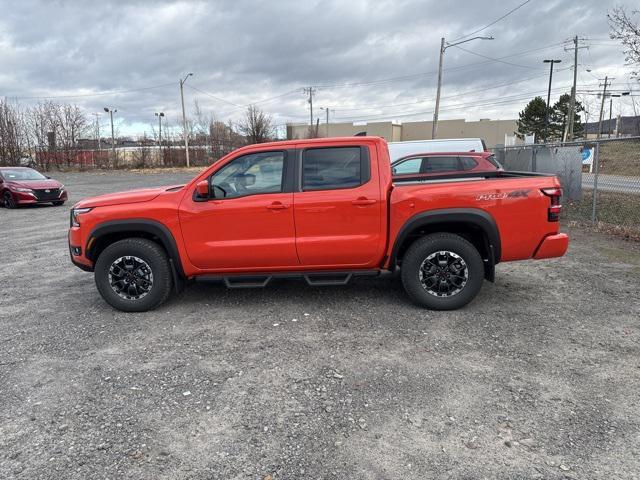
442,271
133,275
8,200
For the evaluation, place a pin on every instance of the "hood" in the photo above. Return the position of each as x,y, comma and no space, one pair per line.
120,198
36,184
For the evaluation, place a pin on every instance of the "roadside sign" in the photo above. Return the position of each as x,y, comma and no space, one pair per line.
587,158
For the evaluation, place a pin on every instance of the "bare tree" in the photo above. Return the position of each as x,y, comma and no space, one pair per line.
623,27
11,134
256,126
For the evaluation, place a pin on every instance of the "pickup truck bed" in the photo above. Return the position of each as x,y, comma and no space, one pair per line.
323,209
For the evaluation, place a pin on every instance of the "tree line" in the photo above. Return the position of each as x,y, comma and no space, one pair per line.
56,134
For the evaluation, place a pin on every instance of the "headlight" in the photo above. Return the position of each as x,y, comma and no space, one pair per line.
75,222
21,189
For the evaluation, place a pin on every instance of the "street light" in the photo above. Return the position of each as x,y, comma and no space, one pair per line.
160,115
111,111
184,117
548,109
443,47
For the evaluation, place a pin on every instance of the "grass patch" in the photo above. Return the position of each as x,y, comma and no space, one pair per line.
617,213
621,157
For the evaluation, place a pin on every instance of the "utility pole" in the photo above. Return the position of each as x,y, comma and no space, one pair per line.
310,91
160,115
443,46
184,118
326,109
548,110
111,111
97,115
610,112
604,96
572,103
434,124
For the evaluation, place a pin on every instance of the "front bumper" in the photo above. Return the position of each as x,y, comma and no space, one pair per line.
552,246
76,251
25,198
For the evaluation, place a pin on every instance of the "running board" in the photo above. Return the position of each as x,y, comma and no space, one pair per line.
327,279
313,278
247,282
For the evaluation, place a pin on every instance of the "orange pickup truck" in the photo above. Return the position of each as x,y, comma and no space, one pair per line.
324,210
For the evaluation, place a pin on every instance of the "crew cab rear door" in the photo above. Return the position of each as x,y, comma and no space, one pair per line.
338,207
247,224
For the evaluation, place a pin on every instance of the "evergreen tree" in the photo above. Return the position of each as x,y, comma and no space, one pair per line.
531,119
560,117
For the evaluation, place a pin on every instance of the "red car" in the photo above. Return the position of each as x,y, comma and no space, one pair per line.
25,186
427,164
324,210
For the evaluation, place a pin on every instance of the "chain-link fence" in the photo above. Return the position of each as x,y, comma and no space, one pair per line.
600,178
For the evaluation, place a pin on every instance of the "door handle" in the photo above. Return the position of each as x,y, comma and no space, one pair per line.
277,206
362,201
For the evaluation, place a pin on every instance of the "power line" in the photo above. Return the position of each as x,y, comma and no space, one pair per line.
492,23
213,96
495,59
462,94
434,72
487,102
98,94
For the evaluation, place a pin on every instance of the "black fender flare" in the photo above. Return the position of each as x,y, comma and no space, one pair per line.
136,225
470,216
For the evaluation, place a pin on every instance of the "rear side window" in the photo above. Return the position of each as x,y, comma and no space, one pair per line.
334,168
468,163
441,164
492,160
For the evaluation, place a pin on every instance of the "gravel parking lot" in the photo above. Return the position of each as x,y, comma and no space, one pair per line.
538,378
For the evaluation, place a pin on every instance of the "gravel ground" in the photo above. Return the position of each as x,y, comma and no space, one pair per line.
538,378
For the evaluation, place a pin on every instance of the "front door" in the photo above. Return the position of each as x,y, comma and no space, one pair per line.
338,210
248,222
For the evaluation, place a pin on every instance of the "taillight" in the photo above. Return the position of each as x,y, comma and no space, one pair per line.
555,208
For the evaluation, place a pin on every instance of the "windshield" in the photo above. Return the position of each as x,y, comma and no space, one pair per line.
22,174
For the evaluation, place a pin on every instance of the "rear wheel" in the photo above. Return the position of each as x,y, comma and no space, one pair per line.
8,200
133,275
442,271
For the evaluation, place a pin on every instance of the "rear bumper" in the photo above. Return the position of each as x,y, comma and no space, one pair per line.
552,246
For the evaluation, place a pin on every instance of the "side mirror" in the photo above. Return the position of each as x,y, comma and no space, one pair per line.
202,189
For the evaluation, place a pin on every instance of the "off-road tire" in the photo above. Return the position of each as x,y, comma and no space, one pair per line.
418,253
149,252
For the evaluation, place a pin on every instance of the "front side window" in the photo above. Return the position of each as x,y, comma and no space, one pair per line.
407,167
252,174
441,164
332,168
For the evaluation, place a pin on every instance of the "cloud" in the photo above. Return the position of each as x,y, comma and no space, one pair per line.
246,51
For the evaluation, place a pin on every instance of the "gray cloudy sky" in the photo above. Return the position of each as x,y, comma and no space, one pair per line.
370,60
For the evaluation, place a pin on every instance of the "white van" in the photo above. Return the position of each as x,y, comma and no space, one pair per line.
402,149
